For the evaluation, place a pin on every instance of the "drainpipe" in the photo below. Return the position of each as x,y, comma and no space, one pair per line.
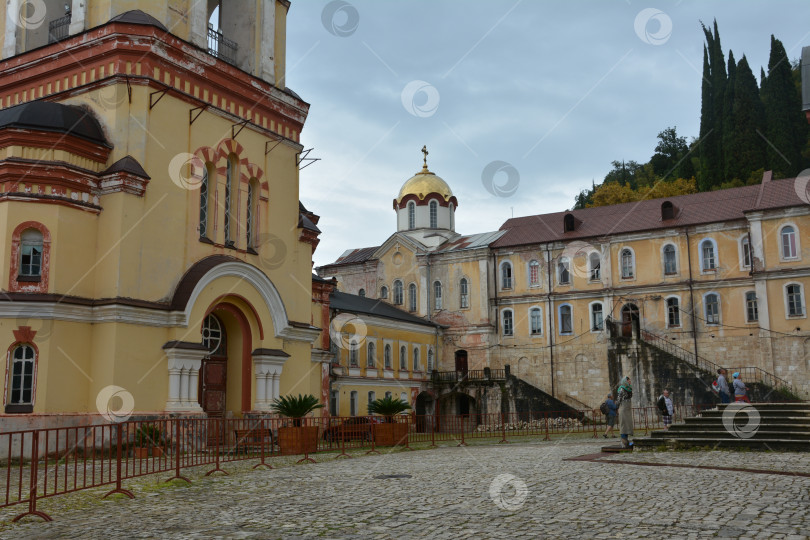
550,309
429,285
691,294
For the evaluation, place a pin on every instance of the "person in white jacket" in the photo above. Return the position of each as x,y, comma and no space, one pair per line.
666,408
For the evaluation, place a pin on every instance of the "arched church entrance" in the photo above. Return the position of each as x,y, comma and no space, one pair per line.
630,318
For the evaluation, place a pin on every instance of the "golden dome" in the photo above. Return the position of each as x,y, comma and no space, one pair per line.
423,184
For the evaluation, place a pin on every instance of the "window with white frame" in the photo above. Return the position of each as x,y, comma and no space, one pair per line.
21,383
751,308
670,260
506,275
411,215
597,317
371,352
564,271
745,251
412,297
535,321
333,402
708,256
228,210
795,304
387,362
628,270
353,353
403,358
372,396
403,396
534,273
251,213
464,294
430,361
595,264
388,394
434,214
204,188
437,295
673,312
31,253
566,319
416,366
353,405
788,236
398,292
384,292
711,305
508,323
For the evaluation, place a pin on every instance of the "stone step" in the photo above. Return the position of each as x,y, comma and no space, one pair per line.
756,444
799,415
759,434
706,425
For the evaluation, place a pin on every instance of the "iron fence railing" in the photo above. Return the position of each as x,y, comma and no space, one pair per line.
471,375
222,47
59,29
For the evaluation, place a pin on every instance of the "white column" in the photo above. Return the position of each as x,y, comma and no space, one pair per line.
276,384
193,383
267,49
184,384
174,386
184,360
10,38
267,367
78,16
198,23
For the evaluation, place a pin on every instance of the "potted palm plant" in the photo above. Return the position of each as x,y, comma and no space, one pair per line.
390,432
297,438
148,441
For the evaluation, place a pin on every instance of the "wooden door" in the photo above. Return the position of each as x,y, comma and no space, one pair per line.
214,379
461,361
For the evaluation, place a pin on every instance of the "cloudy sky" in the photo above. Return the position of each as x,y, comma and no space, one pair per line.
553,91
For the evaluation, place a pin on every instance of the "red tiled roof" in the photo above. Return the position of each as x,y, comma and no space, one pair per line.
694,209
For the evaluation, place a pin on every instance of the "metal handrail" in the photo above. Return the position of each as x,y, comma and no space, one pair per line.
59,29
222,47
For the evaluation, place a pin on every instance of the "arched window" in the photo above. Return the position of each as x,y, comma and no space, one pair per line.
371,353
751,309
566,319
745,251
673,312
353,353
230,180
535,321
464,295
430,360
387,357
437,294
795,303
563,271
411,215
416,366
534,273
204,190
711,305
384,292
667,211
788,236
403,358
434,214
361,293
508,323
21,377
372,397
628,270
353,405
595,263
412,297
398,292
670,260
708,256
506,275
597,317
452,216
31,254
569,223
213,336
251,213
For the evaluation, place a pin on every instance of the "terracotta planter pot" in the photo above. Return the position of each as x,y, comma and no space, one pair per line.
390,434
298,440
141,453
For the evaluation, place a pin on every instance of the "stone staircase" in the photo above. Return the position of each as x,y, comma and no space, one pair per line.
758,426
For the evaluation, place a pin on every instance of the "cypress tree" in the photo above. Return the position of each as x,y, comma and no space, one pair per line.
745,150
711,124
782,105
729,160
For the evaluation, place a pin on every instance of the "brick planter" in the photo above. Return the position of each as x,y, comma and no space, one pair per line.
298,440
390,434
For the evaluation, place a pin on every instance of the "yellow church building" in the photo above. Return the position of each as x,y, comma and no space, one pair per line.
156,258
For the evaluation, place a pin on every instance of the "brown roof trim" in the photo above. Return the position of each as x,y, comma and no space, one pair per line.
185,345
269,352
81,301
193,275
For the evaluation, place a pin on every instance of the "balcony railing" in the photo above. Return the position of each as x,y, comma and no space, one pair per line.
222,47
472,375
59,29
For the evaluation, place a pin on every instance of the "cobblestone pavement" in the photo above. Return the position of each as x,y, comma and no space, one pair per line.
519,490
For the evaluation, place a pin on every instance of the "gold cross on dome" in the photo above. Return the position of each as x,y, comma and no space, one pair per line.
425,151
